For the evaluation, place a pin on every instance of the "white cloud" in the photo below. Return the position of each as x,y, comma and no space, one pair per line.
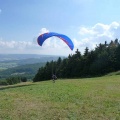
43,30
16,46
99,33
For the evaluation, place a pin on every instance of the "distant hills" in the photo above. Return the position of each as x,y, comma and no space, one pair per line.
43,58
28,70
23,64
13,60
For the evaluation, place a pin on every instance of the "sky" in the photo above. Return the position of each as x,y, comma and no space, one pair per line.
86,22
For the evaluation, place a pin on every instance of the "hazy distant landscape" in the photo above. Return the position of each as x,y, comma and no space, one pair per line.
27,64
4,57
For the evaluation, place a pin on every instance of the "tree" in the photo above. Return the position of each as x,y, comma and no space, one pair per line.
13,80
117,53
86,51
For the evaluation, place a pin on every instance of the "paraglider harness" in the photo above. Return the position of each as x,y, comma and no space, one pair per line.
54,77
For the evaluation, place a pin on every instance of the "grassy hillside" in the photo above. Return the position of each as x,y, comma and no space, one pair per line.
75,99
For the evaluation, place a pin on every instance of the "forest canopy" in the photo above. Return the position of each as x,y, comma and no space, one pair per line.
103,59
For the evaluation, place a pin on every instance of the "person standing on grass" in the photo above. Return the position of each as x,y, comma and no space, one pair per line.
54,78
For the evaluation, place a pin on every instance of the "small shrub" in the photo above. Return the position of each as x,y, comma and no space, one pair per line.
23,79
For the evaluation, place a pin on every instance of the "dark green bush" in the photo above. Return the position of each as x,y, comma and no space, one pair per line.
13,80
23,79
3,82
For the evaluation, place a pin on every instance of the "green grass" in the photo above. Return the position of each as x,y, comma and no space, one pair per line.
75,99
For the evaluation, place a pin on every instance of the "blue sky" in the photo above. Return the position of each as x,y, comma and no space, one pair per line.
86,22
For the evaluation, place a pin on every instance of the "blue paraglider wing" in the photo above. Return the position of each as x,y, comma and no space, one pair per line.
45,36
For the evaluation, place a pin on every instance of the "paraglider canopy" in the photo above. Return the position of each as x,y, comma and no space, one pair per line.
65,38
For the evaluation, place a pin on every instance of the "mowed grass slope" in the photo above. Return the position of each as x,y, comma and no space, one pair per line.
75,99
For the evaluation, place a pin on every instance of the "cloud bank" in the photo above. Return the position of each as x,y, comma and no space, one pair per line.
88,37
16,47
99,33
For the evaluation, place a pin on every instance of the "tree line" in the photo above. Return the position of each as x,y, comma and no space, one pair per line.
105,58
13,80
